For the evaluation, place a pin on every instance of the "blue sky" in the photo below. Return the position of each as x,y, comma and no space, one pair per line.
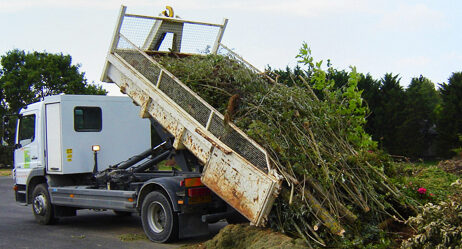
406,37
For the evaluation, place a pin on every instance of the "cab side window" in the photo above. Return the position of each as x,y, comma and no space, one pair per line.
26,129
87,119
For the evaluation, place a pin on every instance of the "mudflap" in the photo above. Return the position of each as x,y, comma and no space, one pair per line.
191,225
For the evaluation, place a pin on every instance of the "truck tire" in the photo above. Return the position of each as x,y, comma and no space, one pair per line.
41,205
159,221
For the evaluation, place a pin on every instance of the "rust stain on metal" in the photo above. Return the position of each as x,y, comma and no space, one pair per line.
227,152
229,193
144,108
225,183
195,146
123,89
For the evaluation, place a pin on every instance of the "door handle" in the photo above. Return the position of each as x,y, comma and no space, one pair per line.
34,158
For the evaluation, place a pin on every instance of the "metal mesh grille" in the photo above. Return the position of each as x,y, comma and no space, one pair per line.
141,64
195,38
186,100
136,30
225,51
198,39
238,143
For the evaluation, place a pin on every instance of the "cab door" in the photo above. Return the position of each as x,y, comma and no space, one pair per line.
26,155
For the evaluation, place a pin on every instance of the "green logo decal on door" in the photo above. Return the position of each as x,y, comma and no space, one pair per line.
26,158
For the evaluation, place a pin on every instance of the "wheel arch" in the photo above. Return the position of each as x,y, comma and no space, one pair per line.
33,181
167,185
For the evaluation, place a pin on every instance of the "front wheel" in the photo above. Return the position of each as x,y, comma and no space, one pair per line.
41,205
160,223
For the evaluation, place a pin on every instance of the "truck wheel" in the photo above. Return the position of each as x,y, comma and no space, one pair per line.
159,222
41,205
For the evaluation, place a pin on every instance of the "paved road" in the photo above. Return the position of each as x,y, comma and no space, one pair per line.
88,229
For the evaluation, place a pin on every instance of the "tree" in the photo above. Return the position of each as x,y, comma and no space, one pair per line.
370,92
449,117
289,77
389,114
417,132
29,77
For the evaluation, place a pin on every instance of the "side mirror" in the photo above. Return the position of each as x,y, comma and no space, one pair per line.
17,146
6,129
5,132
5,137
6,121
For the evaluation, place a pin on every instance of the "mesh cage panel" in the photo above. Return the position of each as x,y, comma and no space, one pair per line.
238,143
225,51
195,38
141,64
198,39
185,99
136,30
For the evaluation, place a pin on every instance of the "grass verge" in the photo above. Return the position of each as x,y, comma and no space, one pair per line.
5,172
425,182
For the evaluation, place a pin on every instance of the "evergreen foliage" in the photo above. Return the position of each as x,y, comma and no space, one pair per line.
418,131
449,117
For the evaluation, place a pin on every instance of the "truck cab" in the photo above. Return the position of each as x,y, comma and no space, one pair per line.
26,150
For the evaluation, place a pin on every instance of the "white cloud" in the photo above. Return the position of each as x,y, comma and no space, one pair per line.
414,61
453,56
297,8
413,17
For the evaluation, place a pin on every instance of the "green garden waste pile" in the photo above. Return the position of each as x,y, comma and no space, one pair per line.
335,192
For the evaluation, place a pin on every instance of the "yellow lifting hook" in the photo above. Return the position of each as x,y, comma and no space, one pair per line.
168,12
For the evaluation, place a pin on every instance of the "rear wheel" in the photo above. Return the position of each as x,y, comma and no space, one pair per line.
41,205
160,223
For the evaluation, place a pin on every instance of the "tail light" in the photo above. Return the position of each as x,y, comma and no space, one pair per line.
194,192
193,182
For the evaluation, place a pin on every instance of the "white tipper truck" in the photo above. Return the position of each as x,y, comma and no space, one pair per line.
97,152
